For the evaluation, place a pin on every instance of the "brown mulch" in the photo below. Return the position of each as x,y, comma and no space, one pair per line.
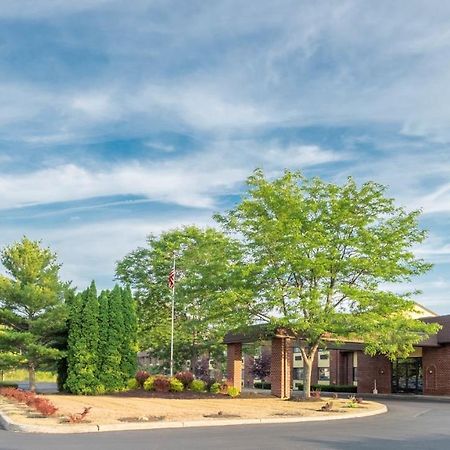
185,395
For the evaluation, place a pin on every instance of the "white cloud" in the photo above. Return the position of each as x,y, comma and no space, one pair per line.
89,251
194,180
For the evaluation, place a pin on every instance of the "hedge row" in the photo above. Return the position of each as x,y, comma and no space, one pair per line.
321,387
7,384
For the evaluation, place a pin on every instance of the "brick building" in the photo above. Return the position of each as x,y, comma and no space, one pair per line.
426,371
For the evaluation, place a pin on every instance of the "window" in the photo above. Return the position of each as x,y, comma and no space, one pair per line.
296,350
324,374
354,374
298,373
324,355
298,357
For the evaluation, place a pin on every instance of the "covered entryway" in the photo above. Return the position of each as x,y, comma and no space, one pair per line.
407,375
281,356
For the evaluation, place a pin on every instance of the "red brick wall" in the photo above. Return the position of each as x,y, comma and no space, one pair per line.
281,367
234,364
436,370
374,368
341,367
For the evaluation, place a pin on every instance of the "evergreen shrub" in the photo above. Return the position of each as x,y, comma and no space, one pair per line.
214,388
198,386
149,384
233,392
133,384
175,385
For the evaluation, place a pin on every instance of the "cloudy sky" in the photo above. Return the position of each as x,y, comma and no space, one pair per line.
120,118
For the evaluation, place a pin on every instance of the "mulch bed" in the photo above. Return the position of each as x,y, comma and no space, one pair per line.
221,415
185,395
142,419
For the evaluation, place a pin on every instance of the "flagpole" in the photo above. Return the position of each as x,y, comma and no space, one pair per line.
173,317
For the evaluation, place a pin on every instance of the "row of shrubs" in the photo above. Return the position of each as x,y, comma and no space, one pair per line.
7,384
180,382
331,388
316,387
40,404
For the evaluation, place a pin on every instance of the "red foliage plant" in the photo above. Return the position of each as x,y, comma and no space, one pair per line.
185,377
161,384
141,376
44,406
79,417
40,404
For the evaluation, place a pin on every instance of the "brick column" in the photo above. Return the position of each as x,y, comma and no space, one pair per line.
436,370
374,368
281,367
234,364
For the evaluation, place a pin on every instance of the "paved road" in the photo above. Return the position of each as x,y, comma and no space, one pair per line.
409,425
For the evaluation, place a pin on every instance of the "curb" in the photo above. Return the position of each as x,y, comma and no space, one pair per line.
10,425
395,397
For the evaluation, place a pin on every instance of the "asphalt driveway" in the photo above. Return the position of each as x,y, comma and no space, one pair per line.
408,425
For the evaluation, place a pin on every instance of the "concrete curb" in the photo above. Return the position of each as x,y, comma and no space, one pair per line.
8,424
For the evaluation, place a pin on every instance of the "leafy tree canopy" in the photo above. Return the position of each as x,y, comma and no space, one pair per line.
205,306
321,258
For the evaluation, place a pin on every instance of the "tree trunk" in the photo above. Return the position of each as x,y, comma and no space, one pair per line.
31,377
307,373
308,355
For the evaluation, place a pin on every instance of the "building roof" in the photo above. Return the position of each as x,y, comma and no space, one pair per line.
443,335
262,332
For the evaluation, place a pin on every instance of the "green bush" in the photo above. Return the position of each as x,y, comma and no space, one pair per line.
6,384
233,392
198,386
214,388
149,384
175,385
133,384
331,387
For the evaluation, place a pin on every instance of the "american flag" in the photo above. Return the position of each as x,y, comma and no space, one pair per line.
171,279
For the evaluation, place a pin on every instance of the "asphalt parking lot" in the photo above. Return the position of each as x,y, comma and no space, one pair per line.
408,425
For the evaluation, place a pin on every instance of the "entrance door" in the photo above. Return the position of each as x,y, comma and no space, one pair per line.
407,375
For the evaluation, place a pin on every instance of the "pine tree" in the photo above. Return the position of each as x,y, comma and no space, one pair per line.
111,373
103,342
32,310
129,345
83,344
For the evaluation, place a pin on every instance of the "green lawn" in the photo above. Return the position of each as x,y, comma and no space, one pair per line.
22,375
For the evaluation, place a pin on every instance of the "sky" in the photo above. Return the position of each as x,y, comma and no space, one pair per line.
119,119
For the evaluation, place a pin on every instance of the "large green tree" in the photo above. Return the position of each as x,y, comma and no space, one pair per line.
128,364
205,306
320,259
83,343
32,308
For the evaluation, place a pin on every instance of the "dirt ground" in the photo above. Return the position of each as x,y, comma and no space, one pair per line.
110,409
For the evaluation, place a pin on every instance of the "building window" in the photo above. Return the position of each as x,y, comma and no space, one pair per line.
297,373
324,374
324,355
296,350
298,357
354,374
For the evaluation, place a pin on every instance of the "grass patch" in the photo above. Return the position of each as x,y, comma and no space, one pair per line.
42,376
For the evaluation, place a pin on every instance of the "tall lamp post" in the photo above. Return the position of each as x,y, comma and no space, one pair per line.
172,286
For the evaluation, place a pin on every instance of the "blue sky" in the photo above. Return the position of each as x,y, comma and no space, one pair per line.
118,119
